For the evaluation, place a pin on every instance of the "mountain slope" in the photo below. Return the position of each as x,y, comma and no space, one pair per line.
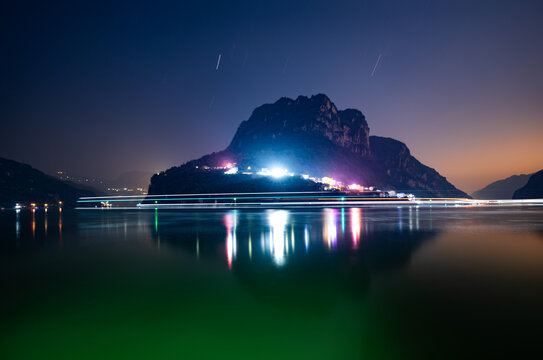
24,184
533,188
502,189
309,135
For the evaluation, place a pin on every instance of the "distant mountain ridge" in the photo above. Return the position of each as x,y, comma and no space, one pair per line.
533,188
309,135
21,183
502,189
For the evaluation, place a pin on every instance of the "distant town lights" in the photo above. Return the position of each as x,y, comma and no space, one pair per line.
232,171
328,181
355,187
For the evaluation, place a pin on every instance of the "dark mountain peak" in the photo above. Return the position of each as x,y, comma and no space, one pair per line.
388,147
320,101
309,135
409,173
533,188
314,116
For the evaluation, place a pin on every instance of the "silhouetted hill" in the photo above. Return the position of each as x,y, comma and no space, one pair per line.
193,182
533,188
502,189
24,184
310,136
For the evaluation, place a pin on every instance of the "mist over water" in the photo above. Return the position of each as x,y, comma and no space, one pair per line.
334,283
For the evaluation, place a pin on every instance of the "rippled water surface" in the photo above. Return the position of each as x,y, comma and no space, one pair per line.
318,284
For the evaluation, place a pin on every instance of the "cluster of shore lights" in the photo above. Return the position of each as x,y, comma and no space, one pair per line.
34,206
277,172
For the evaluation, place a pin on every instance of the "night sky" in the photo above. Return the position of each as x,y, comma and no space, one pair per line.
97,89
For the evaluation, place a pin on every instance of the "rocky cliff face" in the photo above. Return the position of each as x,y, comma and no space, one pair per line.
316,115
406,172
309,135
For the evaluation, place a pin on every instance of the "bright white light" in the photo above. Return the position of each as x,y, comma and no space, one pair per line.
305,177
355,187
264,172
275,172
278,172
329,181
232,171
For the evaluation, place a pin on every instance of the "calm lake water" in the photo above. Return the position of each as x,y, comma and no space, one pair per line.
306,284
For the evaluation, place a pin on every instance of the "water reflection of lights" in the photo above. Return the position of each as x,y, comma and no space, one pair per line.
60,242
156,230
277,220
400,225
17,224
342,220
356,222
330,227
33,223
250,247
410,218
230,221
306,239
292,237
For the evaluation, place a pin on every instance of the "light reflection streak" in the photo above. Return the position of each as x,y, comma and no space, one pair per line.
250,247
33,223
400,218
60,243
277,220
410,218
330,227
292,237
306,238
156,220
17,227
230,220
343,220
156,229
356,223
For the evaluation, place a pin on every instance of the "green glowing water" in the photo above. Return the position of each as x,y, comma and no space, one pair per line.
316,284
